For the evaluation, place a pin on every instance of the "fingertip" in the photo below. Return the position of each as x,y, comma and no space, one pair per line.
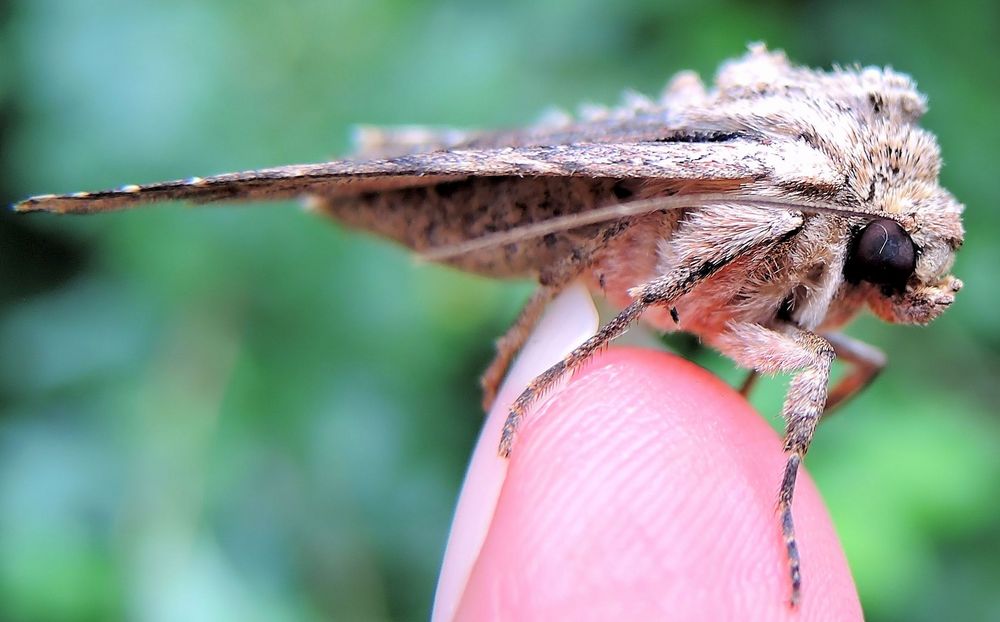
647,488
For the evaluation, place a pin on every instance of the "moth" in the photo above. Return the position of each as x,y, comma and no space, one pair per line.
760,215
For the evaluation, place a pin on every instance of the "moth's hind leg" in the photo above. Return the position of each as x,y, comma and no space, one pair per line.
511,342
660,291
551,281
791,350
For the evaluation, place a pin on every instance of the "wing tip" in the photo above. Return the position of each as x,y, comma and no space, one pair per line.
32,204
75,203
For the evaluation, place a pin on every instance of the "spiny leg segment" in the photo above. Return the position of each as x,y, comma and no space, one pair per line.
551,281
803,351
549,377
705,243
808,400
659,291
787,349
866,362
512,341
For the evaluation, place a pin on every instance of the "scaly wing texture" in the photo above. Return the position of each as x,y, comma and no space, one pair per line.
843,140
734,160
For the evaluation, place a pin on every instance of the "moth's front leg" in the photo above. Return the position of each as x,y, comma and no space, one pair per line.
866,362
749,383
783,350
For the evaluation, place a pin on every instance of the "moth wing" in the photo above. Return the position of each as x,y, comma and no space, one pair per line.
732,162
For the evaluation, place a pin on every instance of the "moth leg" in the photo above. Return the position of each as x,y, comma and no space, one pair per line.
551,282
618,325
659,291
511,342
749,383
708,242
788,349
866,361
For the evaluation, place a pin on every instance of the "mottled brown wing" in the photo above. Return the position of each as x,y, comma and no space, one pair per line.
620,126
727,160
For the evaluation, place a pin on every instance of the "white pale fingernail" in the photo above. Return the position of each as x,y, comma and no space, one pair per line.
569,320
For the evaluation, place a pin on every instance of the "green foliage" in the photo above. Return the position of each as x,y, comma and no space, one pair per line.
246,414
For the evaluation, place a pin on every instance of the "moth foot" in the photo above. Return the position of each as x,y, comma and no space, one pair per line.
507,436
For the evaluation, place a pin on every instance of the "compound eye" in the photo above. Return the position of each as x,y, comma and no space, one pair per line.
883,254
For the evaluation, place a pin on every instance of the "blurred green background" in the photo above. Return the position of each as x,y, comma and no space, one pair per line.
250,414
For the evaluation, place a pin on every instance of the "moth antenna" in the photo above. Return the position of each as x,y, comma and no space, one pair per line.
557,224
614,212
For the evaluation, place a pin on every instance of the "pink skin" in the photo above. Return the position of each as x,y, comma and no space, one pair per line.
643,490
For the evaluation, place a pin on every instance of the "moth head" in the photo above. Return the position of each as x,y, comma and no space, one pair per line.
905,264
